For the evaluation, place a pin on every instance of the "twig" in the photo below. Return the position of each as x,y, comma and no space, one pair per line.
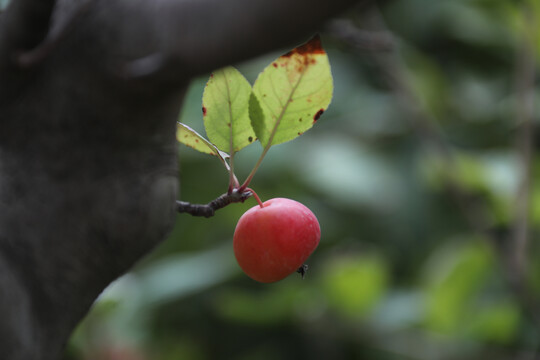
524,79
390,64
208,210
525,74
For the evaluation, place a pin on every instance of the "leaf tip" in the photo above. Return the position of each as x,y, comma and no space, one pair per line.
313,46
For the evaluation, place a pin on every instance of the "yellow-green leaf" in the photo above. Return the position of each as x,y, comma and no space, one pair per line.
291,94
191,138
226,110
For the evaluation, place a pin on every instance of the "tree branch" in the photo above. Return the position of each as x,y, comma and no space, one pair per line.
89,159
26,24
40,52
208,210
186,42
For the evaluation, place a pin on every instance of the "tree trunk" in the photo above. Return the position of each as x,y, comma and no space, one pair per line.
90,91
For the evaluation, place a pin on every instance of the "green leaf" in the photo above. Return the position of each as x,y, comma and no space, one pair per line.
225,110
368,273
191,138
291,94
496,322
457,274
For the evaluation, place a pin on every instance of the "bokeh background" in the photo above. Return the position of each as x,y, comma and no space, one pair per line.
415,173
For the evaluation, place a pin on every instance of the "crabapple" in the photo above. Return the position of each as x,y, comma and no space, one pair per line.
273,241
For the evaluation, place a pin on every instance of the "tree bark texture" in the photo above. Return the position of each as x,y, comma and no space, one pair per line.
90,91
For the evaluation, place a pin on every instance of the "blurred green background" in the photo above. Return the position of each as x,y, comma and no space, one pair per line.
421,141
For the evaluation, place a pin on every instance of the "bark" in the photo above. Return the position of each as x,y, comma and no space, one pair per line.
90,91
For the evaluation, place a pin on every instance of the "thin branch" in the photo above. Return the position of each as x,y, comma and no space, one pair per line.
390,64
208,210
525,74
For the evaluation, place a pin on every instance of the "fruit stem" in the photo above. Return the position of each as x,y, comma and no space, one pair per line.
256,197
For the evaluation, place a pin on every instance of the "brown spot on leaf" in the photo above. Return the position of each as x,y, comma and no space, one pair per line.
313,46
196,140
300,119
300,133
274,65
250,139
203,110
318,115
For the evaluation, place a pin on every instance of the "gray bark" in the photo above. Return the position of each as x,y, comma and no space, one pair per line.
90,91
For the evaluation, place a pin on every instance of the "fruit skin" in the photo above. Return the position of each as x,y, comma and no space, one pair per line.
272,242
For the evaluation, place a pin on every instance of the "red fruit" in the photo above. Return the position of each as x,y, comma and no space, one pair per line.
272,242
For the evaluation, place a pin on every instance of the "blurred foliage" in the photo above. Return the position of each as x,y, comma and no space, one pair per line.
400,272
